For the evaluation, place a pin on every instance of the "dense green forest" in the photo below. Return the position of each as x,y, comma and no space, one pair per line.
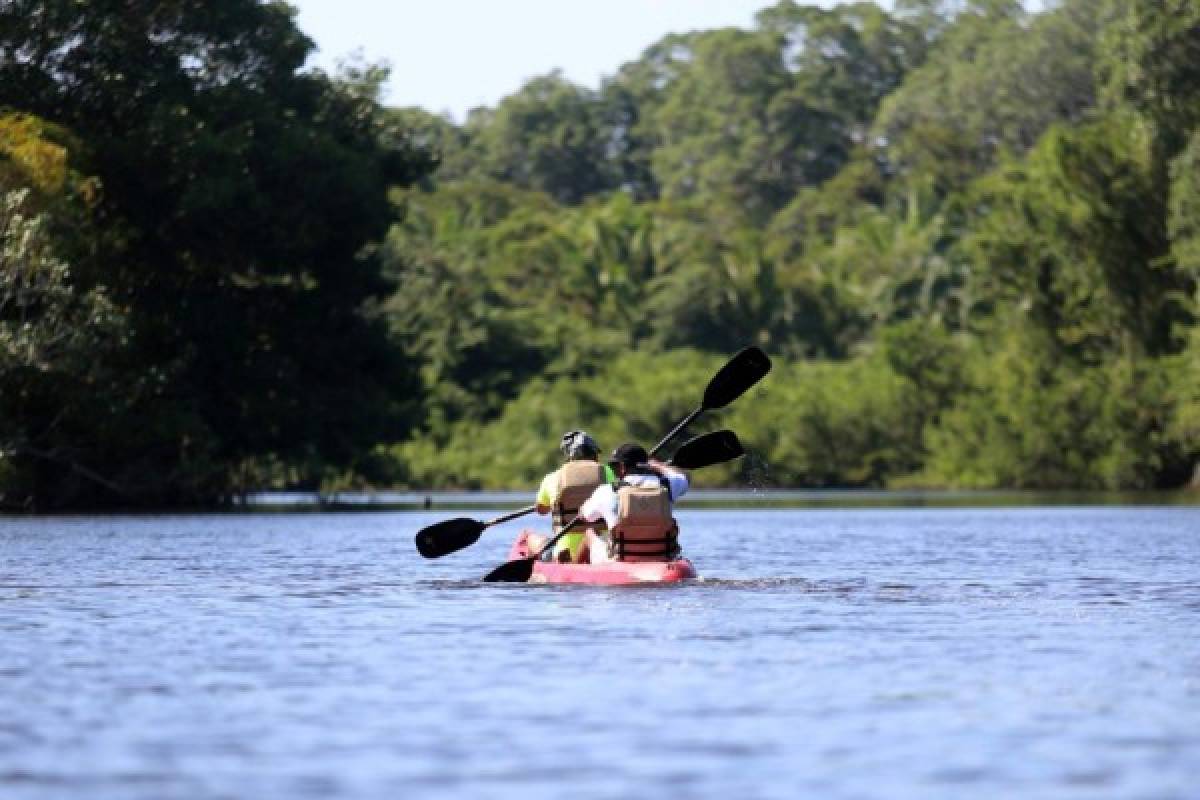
968,235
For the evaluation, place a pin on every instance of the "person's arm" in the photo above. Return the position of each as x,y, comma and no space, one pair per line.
674,475
600,504
545,495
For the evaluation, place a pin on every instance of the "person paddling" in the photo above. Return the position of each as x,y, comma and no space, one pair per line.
564,490
636,509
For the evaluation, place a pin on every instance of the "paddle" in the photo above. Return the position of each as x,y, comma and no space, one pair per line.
455,534
741,372
702,451
745,369
707,449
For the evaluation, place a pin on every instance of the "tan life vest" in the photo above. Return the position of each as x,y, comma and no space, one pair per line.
645,529
576,482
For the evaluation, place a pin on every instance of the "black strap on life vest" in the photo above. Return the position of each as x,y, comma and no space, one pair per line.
667,547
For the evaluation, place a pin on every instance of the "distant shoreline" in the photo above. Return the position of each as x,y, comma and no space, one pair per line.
460,501
418,500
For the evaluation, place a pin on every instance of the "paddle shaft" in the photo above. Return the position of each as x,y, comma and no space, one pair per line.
686,421
507,517
745,369
554,539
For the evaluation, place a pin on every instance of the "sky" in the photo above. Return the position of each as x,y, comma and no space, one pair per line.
454,55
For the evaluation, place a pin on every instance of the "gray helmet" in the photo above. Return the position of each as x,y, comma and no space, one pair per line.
578,444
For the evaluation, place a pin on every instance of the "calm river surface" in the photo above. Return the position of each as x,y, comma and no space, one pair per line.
901,653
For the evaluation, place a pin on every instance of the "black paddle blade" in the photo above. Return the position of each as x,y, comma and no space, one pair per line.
708,449
448,537
519,571
743,371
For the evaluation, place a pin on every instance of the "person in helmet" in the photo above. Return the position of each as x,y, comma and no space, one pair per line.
632,518
565,489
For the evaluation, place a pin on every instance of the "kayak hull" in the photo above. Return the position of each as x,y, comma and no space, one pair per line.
616,573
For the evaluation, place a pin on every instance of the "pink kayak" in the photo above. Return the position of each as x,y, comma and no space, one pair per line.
615,573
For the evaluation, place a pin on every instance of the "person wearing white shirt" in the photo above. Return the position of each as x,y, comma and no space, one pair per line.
633,467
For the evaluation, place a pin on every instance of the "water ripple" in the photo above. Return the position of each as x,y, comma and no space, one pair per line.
891,652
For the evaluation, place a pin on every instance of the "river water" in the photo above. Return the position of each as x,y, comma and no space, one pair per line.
899,653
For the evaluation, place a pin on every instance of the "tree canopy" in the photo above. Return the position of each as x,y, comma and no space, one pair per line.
967,233
234,197
968,229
